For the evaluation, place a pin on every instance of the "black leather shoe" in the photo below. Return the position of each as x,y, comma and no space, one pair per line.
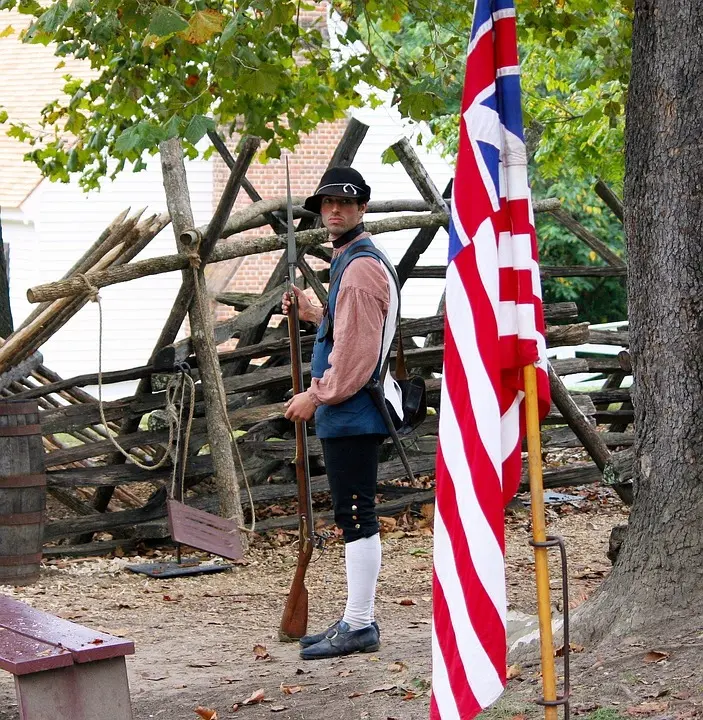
308,640
343,641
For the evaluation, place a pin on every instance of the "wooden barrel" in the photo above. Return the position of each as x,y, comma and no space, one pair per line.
22,492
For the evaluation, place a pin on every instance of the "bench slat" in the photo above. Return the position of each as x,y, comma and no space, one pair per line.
84,644
22,655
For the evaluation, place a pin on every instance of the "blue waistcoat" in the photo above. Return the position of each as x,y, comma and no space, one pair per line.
357,415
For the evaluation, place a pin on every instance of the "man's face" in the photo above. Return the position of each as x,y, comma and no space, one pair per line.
340,214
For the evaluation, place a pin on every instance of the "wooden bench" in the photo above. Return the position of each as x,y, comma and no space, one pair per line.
63,671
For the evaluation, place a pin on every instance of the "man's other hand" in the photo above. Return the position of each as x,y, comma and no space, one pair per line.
300,408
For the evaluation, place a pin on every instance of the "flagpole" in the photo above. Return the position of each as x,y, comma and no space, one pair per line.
544,610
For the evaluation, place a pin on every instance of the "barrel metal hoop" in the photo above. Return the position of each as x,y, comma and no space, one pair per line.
20,430
11,560
22,481
28,518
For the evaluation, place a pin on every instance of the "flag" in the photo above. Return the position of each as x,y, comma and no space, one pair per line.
494,327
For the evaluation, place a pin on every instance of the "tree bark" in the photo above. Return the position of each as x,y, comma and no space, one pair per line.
178,201
658,576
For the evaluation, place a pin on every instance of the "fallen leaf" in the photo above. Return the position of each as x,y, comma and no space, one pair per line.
168,598
573,647
206,713
261,652
383,688
647,708
202,664
256,697
290,689
406,601
655,656
395,535
397,666
345,673
278,708
300,671
387,523
354,694
409,695
427,511
513,672
97,641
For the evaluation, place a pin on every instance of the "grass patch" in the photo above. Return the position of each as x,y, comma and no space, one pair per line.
604,714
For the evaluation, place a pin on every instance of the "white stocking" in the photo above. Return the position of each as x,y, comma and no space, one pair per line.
363,561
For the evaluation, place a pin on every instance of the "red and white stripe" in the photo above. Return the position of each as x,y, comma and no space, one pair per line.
493,328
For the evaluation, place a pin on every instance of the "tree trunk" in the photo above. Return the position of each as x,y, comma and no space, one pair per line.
658,577
6,326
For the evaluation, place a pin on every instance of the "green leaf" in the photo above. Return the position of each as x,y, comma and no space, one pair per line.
6,32
173,126
197,127
53,18
166,21
230,30
388,157
129,140
3,116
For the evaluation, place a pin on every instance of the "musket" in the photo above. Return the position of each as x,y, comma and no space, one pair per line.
294,622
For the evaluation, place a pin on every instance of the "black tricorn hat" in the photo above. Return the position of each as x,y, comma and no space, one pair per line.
339,182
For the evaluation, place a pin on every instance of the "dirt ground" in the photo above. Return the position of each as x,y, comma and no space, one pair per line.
211,641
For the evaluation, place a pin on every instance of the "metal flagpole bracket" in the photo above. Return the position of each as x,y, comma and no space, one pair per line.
553,541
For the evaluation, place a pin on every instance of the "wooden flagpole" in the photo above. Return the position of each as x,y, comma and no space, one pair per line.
539,535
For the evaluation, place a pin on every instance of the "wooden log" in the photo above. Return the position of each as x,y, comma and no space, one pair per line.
417,173
227,251
560,311
178,201
609,337
185,293
610,199
582,428
115,376
598,246
86,261
138,239
240,418
22,343
154,509
311,278
21,370
563,437
562,335
276,222
550,271
438,272
420,243
170,355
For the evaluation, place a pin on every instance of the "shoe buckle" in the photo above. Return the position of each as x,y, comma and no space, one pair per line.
333,635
